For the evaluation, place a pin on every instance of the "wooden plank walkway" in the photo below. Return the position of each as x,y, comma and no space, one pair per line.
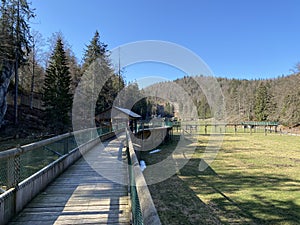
83,196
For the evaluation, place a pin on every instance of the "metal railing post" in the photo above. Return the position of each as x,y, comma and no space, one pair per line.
66,145
17,167
10,173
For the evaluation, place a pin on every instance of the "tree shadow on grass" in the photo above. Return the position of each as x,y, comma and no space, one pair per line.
241,198
177,204
234,196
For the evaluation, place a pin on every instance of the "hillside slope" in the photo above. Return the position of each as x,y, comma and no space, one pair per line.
272,99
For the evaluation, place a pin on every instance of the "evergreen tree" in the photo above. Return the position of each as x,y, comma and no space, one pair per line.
291,109
74,67
15,31
262,101
94,51
14,43
57,97
97,51
203,109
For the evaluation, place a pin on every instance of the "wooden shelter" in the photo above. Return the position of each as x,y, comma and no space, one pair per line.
115,116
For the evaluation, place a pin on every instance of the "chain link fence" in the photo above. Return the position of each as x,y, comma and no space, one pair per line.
142,206
20,163
135,202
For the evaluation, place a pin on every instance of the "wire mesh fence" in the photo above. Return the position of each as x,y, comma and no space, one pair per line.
135,202
20,163
6,174
142,207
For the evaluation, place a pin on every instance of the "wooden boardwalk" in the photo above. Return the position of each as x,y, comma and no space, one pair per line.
83,196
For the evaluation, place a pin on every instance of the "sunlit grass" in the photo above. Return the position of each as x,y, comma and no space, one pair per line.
255,179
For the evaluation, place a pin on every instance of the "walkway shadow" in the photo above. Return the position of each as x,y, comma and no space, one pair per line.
206,197
175,201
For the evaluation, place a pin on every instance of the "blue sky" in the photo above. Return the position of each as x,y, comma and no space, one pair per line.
236,38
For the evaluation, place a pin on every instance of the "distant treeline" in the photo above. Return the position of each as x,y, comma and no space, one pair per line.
246,100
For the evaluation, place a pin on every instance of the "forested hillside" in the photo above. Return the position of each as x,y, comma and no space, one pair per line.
259,100
263,100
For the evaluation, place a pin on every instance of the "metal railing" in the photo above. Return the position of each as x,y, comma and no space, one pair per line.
21,162
153,124
142,206
260,123
135,202
21,159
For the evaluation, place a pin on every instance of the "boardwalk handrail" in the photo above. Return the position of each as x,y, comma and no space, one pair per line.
32,146
143,209
21,193
19,163
12,168
29,147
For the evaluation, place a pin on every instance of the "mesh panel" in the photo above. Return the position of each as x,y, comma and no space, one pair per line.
6,173
135,203
16,168
35,160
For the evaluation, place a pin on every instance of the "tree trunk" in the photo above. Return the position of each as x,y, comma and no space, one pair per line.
5,76
32,77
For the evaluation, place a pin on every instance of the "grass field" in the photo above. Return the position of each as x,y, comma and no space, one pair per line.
255,179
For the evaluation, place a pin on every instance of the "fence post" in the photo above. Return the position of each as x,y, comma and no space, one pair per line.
10,173
265,130
66,145
17,167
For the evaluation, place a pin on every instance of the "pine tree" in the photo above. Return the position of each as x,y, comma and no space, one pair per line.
97,52
94,51
15,32
14,43
262,101
291,109
74,67
57,97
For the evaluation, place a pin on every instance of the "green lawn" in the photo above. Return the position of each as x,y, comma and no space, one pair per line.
255,179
